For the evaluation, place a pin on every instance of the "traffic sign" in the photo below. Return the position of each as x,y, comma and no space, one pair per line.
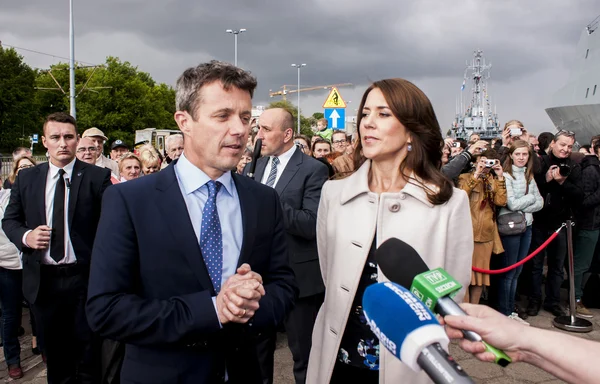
334,100
336,118
34,139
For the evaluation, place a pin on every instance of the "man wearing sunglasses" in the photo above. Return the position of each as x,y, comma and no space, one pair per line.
559,182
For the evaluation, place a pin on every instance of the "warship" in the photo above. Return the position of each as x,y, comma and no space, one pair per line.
474,114
576,106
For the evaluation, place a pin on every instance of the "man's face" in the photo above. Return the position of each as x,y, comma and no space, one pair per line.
535,144
562,146
215,141
175,149
115,154
320,125
99,142
60,139
339,142
321,150
474,138
86,150
270,130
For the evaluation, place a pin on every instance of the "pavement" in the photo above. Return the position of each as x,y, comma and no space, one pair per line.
516,373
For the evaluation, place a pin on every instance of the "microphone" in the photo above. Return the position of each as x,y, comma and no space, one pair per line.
68,182
434,288
410,331
255,157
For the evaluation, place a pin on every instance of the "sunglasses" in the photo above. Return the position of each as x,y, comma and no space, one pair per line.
300,145
25,166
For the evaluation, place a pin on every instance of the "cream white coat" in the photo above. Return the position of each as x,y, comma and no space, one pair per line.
348,216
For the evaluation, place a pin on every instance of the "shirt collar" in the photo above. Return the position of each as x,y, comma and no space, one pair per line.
287,155
192,177
68,168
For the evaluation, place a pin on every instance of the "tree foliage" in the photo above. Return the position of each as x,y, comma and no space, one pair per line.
18,116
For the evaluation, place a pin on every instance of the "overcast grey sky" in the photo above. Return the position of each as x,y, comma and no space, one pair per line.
531,43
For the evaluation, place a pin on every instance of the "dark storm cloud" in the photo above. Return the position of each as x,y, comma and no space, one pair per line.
342,41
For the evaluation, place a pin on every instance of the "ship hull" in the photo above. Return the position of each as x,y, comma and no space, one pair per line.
583,119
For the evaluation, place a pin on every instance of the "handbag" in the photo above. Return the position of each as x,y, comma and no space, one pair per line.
513,223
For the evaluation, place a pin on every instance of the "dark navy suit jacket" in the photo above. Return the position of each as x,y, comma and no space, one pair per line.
149,286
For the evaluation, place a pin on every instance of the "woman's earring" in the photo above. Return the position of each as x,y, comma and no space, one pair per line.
409,148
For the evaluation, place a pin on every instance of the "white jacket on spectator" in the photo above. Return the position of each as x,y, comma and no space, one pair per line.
517,200
10,257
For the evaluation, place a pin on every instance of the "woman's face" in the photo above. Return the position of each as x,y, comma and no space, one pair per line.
130,169
151,168
24,163
322,150
382,136
242,163
303,146
445,155
520,157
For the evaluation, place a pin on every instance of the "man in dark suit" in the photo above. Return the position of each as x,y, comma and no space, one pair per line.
52,218
298,180
191,262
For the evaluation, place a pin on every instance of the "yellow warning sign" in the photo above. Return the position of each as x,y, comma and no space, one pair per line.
334,100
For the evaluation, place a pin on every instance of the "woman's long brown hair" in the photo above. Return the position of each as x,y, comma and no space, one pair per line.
414,110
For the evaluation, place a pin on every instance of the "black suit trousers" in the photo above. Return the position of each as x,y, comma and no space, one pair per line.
71,353
299,326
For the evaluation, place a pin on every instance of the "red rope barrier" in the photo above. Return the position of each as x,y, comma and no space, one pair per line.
532,255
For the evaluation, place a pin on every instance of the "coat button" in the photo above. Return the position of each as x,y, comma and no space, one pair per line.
402,196
394,207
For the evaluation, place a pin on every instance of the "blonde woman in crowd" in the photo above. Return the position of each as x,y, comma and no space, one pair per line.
397,191
486,189
130,167
149,158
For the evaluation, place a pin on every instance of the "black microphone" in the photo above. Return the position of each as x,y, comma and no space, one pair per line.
68,182
255,157
401,263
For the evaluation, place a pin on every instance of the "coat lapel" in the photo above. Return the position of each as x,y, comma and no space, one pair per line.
289,171
39,190
171,205
76,177
249,217
260,168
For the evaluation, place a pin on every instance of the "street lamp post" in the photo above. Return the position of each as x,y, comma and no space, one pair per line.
72,62
235,33
298,66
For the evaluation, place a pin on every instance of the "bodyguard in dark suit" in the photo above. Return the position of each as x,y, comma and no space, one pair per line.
190,263
52,218
298,180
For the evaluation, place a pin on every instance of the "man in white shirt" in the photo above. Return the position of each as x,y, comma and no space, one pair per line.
52,218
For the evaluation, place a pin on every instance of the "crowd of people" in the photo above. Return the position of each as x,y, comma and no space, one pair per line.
178,267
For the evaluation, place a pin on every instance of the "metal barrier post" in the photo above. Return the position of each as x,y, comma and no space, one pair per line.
571,322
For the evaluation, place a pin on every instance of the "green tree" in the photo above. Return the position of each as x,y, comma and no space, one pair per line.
117,98
318,115
18,115
305,122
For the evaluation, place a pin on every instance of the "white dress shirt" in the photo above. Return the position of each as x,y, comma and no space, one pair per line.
284,159
51,181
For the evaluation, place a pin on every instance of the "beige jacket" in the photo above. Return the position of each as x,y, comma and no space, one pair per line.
105,162
348,216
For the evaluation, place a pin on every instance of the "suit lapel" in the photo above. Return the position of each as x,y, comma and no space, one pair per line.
289,171
39,190
171,205
249,217
260,168
76,177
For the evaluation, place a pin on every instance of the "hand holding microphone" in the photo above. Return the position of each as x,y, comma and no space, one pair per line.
434,288
411,332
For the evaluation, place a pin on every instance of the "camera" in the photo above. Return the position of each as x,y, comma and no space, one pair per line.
516,132
456,144
564,170
490,163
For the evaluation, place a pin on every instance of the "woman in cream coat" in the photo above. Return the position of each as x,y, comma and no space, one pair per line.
396,191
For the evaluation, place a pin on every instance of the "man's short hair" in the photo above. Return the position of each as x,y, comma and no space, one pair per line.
323,121
594,139
171,138
544,140
59,117
338,132
192,80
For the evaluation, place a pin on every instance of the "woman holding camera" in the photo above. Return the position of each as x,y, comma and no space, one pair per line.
486,189
515,220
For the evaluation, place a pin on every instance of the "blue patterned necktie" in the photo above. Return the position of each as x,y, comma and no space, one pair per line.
273,173
211,240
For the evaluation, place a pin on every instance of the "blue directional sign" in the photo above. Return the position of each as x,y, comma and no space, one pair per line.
336,118
34,139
